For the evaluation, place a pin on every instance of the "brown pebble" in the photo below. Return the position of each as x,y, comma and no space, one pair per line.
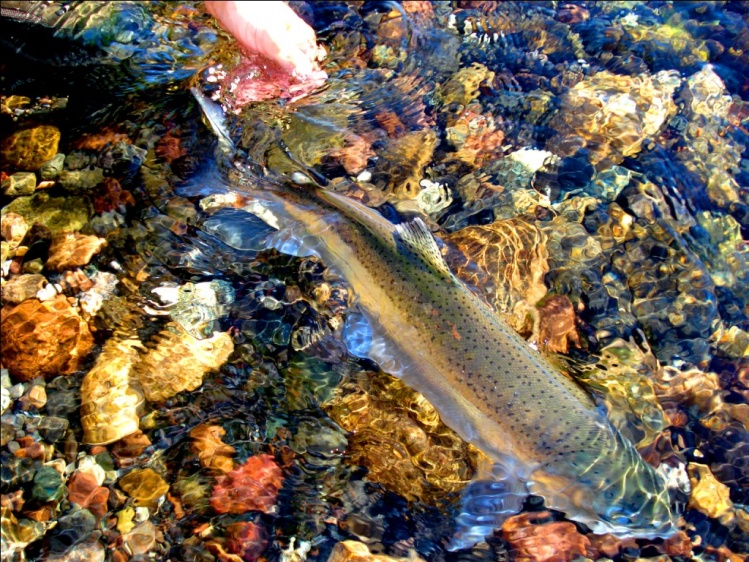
84,490
42,514
129,448
13,501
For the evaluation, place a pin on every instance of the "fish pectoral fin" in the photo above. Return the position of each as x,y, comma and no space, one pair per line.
485,504
417,238
365,338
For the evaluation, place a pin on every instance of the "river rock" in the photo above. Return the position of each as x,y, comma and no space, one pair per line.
51,169
28,149
70,250
20,183
21,287
81,180
43,338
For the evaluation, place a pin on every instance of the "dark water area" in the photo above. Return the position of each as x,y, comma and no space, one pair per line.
177,378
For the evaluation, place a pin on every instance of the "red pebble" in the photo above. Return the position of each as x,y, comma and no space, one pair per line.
251,486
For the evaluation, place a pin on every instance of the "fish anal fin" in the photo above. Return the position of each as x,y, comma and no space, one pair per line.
417,238
497,493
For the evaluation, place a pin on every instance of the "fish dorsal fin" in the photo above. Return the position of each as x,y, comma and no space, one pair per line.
417,238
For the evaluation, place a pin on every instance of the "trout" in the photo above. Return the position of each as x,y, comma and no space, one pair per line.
419,322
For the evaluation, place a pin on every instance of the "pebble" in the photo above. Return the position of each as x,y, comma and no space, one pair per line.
72,528
15,471
17,390
144,486
140,539
36,396
49,485
355,551
81,180
90,551
84,491
125,520
20,183
88,465
62,403
51,169
21,287
5,398
28,149
53,428
13,228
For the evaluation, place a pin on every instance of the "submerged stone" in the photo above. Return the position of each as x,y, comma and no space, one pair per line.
28,149
49,485
145,486
18,184
67,214
47,339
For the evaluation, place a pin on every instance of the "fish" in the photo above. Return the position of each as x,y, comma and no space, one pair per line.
411,315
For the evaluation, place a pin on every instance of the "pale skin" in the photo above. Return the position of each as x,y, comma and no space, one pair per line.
273,30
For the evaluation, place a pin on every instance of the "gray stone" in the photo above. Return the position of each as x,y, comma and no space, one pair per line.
81,180
52,428
51,169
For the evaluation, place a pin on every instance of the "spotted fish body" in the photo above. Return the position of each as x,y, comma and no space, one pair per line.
487,384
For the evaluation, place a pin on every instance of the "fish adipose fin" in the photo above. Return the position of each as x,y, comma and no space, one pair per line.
486,503
416,238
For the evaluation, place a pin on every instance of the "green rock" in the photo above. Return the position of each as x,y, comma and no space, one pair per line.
49,485
59,214
81,180
20,183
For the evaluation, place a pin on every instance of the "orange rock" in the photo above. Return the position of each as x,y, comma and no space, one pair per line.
43,338
678,545
84,490
100,140
145,486
722,554
247,540
212,452
557,541
36,451
169,147
251,486
28,149
70,250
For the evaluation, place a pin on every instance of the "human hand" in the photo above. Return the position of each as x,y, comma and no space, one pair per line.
273,30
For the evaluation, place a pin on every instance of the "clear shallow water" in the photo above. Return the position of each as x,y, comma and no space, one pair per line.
585,166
